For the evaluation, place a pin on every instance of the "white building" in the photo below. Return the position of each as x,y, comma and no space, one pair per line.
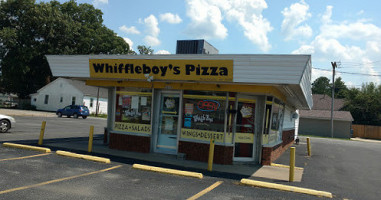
62,92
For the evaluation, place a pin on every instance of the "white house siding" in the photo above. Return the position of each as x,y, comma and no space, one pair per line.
102,104
57,89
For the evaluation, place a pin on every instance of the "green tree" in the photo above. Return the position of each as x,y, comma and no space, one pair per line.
341,89
145,50
321,86
364,104
30,30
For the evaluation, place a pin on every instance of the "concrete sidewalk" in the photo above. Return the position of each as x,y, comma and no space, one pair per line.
236,171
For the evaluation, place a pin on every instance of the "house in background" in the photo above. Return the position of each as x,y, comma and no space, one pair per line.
318,120
62,92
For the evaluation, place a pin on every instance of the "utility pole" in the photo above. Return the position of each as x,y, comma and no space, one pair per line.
333,94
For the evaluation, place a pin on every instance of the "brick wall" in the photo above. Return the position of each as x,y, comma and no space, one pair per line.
130,142
270,154
200,152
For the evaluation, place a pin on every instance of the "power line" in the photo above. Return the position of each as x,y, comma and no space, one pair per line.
362,74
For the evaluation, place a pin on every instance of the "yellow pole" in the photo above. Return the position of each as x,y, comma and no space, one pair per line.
308,146
211,154
292,164
90,148
42,133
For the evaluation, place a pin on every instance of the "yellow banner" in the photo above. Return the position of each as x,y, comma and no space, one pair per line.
134,128
202,135
151,69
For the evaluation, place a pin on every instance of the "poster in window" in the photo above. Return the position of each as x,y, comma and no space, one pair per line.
143,101
187,122
146,113
189,109
126,101
135,102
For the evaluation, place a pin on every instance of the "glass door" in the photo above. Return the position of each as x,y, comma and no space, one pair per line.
244,129
168,121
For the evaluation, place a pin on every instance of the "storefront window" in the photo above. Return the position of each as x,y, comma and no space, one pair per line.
276,122
265,138
133,110
204,115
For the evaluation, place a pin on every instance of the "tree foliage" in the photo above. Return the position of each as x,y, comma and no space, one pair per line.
145,50
322,85
364,104
30,30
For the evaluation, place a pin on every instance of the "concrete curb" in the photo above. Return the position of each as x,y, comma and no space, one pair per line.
28,147
167,171
81,156
286,188
284,166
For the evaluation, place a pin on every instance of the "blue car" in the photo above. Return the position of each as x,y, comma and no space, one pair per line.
74,110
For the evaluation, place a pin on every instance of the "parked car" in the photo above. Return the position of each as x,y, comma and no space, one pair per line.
6,123
74,110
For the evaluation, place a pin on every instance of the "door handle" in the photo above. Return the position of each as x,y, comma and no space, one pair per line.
173,137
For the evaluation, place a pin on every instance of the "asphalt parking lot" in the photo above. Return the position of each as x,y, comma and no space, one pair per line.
33,175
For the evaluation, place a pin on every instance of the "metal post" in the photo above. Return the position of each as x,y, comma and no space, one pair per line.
211,155
308,146
90,147
42,132
292,164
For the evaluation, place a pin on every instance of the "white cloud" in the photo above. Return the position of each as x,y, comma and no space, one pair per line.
129,42
152,30
205,20
151,40
207,15
97,3
349,42
294,16
170,18
162,52
129,30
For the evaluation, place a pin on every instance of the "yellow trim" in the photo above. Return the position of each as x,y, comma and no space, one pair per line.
19,158
191,96
58,180
167,171
81,156
246,100
259,89
206,190
135,93
286,188
28,147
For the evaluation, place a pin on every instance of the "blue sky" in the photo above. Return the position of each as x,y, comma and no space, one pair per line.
345,31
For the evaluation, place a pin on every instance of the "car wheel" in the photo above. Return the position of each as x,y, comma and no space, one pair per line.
84,117
75,115
4,126
59,114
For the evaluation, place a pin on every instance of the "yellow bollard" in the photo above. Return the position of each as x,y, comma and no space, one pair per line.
42,133
292,164
211,155
90,148
308,146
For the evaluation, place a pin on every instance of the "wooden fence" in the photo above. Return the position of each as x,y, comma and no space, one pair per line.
366,131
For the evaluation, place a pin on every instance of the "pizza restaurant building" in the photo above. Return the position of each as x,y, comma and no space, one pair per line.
174,104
